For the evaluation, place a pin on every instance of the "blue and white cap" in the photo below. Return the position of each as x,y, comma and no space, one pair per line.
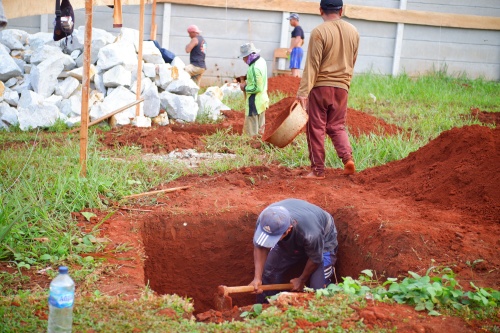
271,225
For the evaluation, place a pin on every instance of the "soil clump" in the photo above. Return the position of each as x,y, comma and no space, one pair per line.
486,117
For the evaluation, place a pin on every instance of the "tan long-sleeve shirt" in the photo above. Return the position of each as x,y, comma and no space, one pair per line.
331,55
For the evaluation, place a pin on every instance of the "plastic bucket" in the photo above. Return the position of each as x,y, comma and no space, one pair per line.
290,127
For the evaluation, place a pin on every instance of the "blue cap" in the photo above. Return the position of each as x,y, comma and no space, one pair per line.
331,4
271,225
63,269
293,16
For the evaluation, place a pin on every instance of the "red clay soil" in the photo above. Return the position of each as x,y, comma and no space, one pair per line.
486,117
440,206
437,207
374,315
286,84
164,139
457,170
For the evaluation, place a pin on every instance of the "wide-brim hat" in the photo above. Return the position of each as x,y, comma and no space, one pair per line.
247,49
272,223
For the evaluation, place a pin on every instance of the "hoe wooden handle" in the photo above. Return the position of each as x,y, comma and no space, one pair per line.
223,290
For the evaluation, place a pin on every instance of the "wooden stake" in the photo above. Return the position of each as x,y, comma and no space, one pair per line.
135,210
110,114
173,189
153,22
84,127
139,64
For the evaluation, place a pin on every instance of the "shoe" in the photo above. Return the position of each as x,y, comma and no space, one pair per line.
349,168
312,175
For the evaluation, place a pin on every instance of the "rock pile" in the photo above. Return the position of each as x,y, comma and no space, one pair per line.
40,81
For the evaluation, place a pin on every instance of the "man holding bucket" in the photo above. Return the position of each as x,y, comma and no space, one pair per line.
255,89
323,90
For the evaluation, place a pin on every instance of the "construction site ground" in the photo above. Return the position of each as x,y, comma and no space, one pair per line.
440,206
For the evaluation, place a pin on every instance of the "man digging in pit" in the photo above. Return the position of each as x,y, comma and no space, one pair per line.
324,87
293,234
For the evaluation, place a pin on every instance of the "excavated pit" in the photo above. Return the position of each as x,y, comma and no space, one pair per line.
191,256
436,208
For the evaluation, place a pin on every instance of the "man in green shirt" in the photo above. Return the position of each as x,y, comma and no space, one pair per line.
255,88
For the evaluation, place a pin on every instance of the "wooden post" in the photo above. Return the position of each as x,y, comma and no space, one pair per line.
98,120
173,189
139,63
153,22
84,124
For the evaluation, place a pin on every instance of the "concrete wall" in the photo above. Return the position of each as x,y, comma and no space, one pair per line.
473,52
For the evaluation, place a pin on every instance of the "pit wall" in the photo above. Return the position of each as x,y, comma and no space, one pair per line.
385,47
191,255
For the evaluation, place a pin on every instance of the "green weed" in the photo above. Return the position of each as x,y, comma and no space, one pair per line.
430,292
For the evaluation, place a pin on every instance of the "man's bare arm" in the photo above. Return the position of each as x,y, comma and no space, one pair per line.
192,44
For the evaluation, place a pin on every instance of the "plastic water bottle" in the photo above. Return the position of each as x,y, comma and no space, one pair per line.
61,298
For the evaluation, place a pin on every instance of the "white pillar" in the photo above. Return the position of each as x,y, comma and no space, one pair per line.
285,37
44,23
165,32
399,42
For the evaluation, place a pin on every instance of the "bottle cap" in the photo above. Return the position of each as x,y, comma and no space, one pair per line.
63,269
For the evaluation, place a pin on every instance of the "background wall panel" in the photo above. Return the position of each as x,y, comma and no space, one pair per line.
471,51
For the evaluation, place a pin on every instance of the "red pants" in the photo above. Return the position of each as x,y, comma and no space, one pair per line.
327,113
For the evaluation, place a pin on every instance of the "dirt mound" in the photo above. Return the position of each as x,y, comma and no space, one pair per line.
486,117
164,139
374,315
284,83
359,123
459,169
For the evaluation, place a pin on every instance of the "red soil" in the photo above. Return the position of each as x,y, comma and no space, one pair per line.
486,117
284,83
437,207
160,140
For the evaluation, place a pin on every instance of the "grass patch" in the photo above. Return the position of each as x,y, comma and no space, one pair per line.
426,105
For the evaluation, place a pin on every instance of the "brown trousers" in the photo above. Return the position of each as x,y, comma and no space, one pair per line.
327,114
